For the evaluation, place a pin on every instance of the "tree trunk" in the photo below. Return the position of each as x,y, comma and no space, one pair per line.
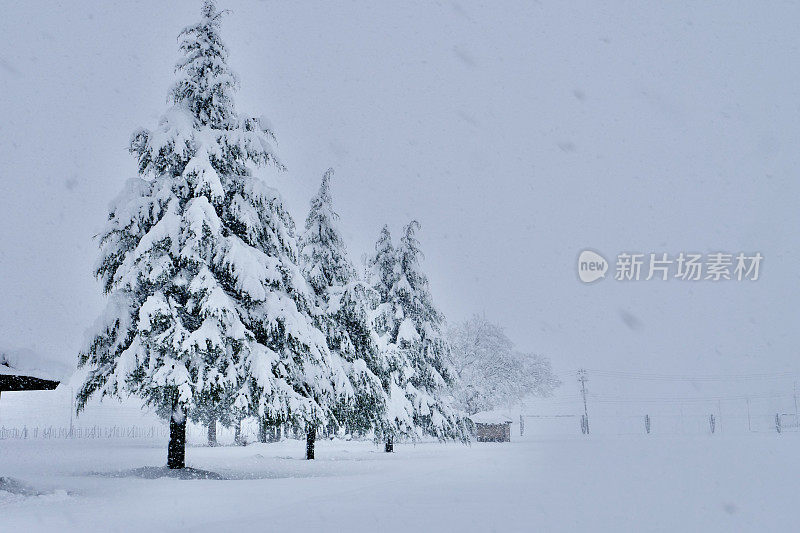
212,432
237,434
311,435
176,449
262,430
389,448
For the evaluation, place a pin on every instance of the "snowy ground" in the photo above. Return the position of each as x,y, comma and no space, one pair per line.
680,483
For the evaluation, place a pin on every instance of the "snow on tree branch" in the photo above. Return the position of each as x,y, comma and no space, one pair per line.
490,372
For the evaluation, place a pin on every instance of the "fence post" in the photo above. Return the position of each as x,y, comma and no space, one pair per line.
778,422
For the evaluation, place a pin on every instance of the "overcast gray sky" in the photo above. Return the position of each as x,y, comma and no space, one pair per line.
518,133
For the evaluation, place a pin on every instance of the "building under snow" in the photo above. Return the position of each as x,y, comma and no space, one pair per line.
26,370
492,427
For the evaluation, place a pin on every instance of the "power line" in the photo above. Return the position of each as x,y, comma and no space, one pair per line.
693,377
679,399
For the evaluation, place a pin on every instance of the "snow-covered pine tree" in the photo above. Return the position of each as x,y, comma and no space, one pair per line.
383,273
343,313
208,310
383,266
420,337
409,333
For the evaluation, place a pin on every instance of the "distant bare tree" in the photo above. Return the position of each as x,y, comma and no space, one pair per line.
491,373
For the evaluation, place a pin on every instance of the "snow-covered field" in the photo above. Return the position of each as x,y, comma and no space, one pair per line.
660,483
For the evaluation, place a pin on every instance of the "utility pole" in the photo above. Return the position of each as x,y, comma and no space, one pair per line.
749,426
71,409
582,379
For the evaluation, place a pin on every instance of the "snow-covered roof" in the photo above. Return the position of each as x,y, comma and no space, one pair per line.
491,417
23,362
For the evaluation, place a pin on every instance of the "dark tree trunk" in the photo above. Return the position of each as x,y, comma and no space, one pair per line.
389,448
262,430
212,432
311,435
176,449
237,434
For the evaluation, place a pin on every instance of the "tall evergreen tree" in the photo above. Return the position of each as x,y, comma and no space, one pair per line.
383,266
343,313
409,331
208,312
383,272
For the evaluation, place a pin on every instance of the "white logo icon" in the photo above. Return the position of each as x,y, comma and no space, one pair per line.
591,266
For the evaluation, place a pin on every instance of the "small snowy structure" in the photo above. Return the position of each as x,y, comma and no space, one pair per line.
491,426
26,370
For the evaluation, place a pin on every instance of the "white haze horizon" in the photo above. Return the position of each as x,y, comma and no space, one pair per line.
517,137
